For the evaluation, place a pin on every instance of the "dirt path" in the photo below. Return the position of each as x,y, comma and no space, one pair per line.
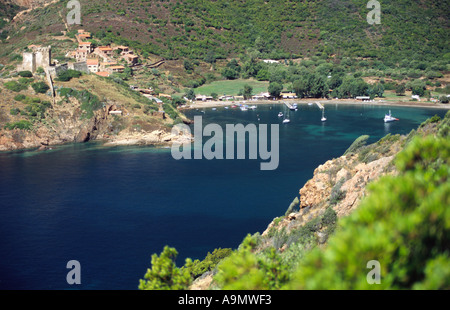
21,13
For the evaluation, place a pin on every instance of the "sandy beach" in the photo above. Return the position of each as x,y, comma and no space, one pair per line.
215,104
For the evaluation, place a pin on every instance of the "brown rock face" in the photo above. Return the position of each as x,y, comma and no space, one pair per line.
343,188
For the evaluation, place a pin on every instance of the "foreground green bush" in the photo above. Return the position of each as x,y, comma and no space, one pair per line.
164,274
404,224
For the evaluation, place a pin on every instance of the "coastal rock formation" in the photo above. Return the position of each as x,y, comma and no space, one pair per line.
344,188
157,137
65,124
340,183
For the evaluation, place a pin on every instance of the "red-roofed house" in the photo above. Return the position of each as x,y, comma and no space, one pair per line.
131,59
93,65
102,73
87,46
105,49
81,55
115,69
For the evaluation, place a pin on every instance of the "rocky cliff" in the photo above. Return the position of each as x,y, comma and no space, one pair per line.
340,184
90,109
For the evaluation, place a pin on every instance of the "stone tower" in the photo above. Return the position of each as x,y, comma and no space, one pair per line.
38,57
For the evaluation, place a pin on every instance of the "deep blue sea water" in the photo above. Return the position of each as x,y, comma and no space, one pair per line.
111,208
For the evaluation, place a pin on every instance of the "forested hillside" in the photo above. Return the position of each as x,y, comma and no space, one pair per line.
277,29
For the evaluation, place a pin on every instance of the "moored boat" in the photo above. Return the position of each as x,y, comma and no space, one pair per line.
389,118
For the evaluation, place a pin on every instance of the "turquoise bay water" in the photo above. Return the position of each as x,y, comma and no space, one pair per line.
111,208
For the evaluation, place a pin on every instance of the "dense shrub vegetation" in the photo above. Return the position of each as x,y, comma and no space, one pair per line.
89,102
68,75
211,30
403,224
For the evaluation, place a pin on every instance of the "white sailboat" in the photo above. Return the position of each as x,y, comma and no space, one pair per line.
323,119
280,114
286,119
389,118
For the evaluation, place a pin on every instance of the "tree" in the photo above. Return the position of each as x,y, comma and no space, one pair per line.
400,90
301,87
275,89
352,87
188,66
247,91
210,57
230,74
232,70
40,87
190,94
418,90
443,99
376,90
164,274
318,86
263,75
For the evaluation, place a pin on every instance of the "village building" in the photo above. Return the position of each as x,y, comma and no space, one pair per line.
82,35
115,69
124,50
102,73
106,49
86,46
262,96
288,95
93,65
226,98
131,59
203,98
81,55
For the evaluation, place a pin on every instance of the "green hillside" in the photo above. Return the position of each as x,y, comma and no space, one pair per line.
321,45
277,29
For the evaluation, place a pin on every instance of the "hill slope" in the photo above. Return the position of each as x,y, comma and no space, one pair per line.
277,29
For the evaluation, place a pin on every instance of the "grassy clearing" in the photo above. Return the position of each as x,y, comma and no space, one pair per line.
232,87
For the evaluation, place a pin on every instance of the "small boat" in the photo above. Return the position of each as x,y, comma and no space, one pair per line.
234,106
286,120
244,108
310,103
323,119
226,108
253,107
280,114
389,118
214,109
